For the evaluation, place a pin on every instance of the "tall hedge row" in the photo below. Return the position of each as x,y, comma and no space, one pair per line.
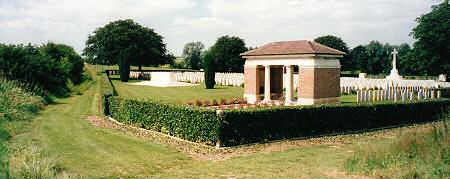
194,124
255,125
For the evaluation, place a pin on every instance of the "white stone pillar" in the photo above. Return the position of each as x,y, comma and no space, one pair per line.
267,83
289,84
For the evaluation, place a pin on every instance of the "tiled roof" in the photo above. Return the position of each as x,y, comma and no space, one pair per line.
292,48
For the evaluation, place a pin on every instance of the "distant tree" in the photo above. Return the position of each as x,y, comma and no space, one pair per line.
338,44
144,45
433,39
360,58
70,61
407,62
209,67
192,53
227,52
379,57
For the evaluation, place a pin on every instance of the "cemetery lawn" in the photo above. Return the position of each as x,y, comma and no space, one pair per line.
177,94
187,93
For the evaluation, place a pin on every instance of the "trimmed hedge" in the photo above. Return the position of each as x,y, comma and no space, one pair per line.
243,126
194,124
261,124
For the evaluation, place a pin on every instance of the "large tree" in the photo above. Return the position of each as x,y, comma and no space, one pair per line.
379,57
433,39
192,53
226,52
360,58
144,45
338,44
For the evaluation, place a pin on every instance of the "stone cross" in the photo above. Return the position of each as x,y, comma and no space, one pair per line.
394,62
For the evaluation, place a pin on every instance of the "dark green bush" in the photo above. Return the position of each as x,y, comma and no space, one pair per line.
124,66
49,66
261,124
209,70
70,62
194,124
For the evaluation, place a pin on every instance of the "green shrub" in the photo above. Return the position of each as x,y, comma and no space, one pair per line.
69,60
261,124
49,66
209,70
17,103
124,66
194,124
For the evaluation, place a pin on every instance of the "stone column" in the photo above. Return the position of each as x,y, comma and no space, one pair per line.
267,83
251,81
289,84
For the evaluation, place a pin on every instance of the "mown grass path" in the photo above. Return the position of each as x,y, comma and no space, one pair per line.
85,150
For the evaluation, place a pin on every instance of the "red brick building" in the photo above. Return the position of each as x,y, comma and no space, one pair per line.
319,72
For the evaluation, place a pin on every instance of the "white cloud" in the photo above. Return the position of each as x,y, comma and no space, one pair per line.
70,21
180,21
263,21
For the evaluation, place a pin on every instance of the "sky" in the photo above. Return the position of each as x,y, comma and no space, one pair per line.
258,22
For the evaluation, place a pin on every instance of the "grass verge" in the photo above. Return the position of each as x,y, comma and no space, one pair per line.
420,154
18,103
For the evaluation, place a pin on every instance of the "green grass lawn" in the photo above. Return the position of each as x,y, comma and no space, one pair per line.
187,93
177,94
348,98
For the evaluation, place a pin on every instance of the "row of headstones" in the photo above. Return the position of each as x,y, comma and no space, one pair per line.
224,79
354,89
397,95
366,84
348,85
135,74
